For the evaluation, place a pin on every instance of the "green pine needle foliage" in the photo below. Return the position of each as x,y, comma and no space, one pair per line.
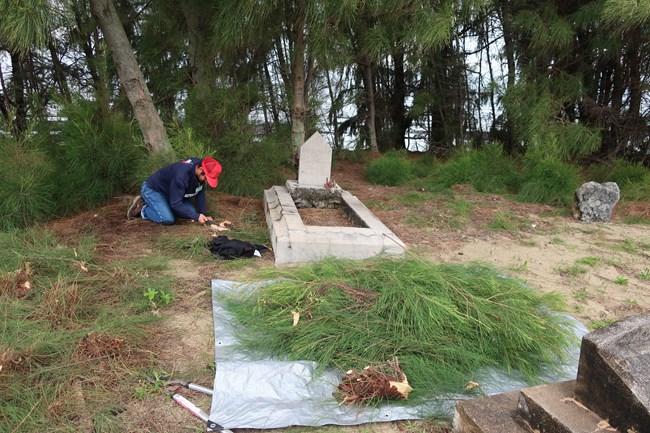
443,322
96,157
548,181
390,169
632,179
251,165
220,123
487,170
27,194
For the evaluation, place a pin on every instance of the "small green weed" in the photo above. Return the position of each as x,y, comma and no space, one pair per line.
597,324
158,296
506,221
572,271
589,261
149,387
557,241
621,281
645,274
581,294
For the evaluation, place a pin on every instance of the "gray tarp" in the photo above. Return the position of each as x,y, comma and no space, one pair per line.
261,393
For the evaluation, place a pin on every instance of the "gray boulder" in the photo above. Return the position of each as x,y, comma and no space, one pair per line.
595,201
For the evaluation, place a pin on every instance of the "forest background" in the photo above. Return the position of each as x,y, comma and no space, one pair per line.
557,88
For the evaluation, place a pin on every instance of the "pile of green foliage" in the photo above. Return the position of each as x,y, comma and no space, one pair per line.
443,322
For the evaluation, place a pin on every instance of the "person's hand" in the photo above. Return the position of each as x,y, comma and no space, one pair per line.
204,219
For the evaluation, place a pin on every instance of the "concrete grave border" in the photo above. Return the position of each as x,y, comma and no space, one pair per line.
295,242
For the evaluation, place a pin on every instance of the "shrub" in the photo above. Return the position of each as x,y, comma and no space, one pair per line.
632,179
548,181
424,165
486,169
96,157
390,169
27,192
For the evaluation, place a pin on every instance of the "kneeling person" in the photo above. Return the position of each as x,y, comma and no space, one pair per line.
168,193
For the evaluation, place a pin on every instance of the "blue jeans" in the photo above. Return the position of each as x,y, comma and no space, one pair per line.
156,206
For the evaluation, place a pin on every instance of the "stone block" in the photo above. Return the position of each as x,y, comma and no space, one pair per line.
315,163
613,373
552,408
493,414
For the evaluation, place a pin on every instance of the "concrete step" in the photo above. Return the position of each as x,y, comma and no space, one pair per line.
613,378
493,414
553,408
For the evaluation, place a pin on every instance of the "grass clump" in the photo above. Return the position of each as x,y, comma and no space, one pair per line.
549,181
487,170
632,179
443,322
391,169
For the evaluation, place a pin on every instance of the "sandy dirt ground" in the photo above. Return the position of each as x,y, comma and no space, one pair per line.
601,269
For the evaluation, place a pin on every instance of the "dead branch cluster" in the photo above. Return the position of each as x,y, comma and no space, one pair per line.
378,382
99,345
17,283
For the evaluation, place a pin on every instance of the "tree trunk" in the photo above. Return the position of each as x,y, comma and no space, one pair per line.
634,64
18,90
509,133
202,70
399,118
370,94
131,76
299,110
57,72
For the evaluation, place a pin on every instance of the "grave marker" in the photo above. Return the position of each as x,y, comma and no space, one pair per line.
315,164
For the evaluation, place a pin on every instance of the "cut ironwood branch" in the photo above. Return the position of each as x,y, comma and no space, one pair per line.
360,296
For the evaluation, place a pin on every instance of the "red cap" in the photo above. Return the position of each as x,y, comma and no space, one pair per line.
212,170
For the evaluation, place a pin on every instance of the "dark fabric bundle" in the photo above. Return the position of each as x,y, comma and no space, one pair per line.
227,249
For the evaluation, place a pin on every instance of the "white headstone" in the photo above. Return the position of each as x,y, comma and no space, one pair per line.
315,164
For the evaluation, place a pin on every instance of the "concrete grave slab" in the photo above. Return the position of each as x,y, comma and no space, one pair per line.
493,414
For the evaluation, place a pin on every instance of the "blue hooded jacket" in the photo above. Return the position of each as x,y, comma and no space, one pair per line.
178,182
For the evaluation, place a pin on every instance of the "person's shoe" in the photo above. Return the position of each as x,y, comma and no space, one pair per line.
136,208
